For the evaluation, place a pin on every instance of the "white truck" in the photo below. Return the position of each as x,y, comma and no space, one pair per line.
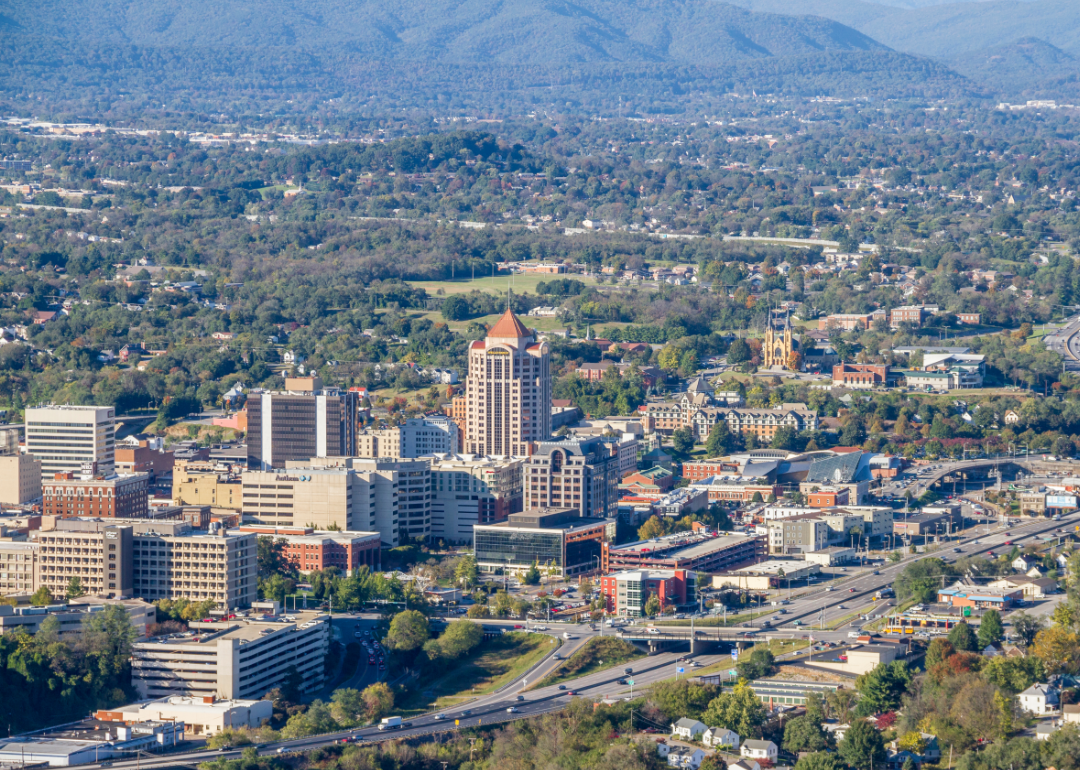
390,723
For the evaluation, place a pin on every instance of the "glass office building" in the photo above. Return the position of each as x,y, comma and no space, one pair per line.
552,539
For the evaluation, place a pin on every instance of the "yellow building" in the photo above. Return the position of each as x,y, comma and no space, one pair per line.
779,342
20,479
202,483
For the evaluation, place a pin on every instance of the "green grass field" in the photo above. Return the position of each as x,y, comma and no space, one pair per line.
492,665
496,285
596,654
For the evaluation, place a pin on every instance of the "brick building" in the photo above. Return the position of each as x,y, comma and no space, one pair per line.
308,549
625,593
706,469
828,497
860,375
848,321
737,488
113,497
907,314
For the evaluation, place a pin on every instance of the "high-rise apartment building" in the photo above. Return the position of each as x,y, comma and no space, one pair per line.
98,554
508,391
152,559
303,422
18,564
580,474
71,439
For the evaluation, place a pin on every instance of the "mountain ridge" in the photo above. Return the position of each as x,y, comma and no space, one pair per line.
506,31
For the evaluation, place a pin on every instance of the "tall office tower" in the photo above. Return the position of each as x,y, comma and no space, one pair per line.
581,474
72,439
303,422
508,391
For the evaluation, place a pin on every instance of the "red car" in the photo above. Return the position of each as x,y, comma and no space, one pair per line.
572,692
851,590
1008,542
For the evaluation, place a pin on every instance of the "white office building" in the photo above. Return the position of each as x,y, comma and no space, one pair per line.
69,438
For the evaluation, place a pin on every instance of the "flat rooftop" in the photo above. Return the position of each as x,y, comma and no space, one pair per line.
774,566
684,545
243,629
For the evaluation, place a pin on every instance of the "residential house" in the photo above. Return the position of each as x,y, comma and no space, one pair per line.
1024,563
931,751
895,760
1045,729
688,729
753,749
837,731
1032,587
744,764
720,737
1071,713
1039,699
685,757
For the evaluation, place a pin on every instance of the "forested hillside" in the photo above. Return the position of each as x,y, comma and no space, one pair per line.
510,31
649,56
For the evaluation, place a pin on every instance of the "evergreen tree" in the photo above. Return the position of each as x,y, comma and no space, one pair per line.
991,629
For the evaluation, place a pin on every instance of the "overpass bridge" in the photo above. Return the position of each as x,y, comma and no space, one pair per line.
967,469
657,636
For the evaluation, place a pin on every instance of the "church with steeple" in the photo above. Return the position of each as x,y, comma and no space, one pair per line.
508,391
779,341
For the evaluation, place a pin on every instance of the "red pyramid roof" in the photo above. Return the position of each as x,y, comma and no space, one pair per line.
509,327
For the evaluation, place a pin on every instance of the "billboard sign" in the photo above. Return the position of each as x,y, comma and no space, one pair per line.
1061,501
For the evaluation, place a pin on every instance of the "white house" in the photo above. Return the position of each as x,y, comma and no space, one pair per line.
744,764
759,750
837,731
717,737
292,357
688,729
1023,563
1039,699
685,757
991,651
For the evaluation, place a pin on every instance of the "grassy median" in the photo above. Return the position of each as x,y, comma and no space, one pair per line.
490,666
595,655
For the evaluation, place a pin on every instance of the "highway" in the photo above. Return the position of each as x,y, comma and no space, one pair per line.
1066,343
487,710
848,597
